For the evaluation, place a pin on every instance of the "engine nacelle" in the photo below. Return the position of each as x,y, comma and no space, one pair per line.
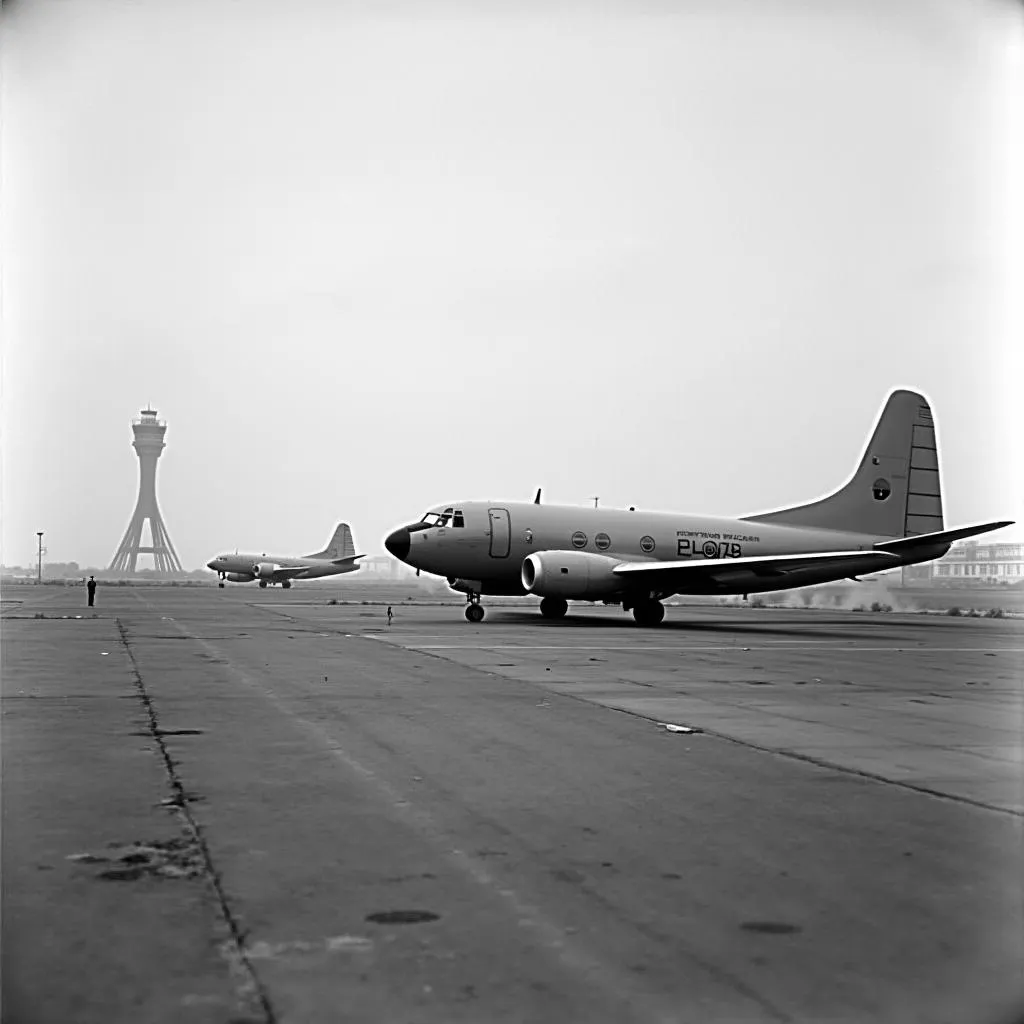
264,570
571,574
240,577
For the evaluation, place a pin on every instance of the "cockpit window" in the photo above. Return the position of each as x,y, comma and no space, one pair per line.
440,518
458,520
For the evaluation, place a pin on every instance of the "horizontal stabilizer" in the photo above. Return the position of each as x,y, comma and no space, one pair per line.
941,537
347,560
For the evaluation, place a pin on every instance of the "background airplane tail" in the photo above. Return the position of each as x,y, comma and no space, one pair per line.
339,546
895,491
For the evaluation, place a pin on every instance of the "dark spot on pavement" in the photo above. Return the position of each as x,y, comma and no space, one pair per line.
671,876
770,927
122,874
179,732
402,916
570,875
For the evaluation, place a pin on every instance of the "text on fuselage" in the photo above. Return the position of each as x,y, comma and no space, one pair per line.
704,544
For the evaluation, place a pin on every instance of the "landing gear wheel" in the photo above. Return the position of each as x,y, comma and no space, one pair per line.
286,584
474,613
220,585
263,584
648,613
553,607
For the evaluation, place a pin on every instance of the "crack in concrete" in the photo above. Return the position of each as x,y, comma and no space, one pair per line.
794,755
820,762
250,991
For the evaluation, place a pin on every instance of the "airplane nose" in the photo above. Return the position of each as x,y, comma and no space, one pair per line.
210,565
398,543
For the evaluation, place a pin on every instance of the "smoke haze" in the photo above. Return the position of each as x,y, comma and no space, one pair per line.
366,258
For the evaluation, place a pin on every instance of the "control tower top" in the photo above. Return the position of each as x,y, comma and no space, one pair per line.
149,433
147,418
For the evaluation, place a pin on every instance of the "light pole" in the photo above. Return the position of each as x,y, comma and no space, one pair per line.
39,576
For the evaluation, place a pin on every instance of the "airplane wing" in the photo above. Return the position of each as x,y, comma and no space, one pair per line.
287,572
677,576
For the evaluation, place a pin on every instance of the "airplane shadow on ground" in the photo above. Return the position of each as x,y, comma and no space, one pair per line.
858,628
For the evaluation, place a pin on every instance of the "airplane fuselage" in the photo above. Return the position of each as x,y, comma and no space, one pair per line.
310,568
489,549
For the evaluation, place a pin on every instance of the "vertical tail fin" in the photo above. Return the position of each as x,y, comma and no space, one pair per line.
339,546
895,491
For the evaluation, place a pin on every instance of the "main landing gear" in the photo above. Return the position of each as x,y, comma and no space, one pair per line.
553,607
286,584
648,612
474,610
263,584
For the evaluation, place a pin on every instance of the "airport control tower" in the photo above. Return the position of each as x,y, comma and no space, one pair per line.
149,443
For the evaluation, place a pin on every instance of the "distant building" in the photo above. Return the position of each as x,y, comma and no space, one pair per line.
970,561
383,567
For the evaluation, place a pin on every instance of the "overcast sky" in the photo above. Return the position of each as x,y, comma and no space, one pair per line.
366,257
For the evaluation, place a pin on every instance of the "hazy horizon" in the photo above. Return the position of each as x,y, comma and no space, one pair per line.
365,260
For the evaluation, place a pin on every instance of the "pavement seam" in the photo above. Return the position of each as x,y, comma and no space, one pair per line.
250,989
574,957
791,754
821,763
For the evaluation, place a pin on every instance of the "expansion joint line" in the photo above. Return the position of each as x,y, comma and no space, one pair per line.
251,990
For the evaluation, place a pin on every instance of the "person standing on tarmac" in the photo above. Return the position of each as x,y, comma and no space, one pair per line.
389,615
91,588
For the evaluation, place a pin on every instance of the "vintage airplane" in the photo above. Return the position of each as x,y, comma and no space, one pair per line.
888,514
339,556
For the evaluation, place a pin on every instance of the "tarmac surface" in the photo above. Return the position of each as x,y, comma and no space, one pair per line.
251,806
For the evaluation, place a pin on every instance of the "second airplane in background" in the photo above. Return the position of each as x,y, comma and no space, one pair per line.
338,557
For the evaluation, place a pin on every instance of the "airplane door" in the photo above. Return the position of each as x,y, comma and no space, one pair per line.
501,533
